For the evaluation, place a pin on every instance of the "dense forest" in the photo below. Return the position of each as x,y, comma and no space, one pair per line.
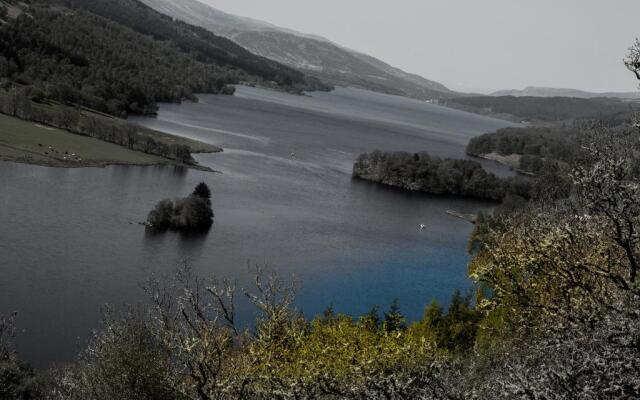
545,109
537,147
120,57
556,143
425,173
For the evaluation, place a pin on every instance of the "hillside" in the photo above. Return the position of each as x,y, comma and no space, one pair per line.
310,54
537,91
121,57
543,109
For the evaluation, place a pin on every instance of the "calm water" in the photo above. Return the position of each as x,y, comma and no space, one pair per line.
69,241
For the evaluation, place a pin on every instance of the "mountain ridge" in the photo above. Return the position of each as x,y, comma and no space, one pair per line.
310,54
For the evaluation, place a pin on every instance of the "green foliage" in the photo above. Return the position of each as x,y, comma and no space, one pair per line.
371,320
455,330
393,319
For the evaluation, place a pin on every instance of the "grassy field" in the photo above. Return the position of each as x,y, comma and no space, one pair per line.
27,142
194,145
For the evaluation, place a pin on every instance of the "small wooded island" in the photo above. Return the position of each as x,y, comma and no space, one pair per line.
425,173
190,214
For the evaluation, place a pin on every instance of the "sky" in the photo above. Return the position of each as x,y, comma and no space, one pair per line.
474,45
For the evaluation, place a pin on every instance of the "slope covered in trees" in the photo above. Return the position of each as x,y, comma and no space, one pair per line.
545,109
207,46
536,147
120,56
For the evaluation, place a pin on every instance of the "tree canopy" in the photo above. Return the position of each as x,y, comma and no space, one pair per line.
190,214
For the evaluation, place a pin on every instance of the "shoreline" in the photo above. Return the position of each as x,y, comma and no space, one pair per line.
471,218
102,164
511,161
52,162
33,143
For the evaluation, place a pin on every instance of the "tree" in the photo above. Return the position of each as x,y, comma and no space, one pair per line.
7,333
192,213
202,190
181,153
371,320
393,318
608,184
632,60
195,214
124,360
4,67
162,215
18,381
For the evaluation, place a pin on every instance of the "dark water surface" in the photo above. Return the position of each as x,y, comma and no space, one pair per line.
69,241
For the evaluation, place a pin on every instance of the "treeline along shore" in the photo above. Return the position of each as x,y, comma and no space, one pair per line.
425,173
82,121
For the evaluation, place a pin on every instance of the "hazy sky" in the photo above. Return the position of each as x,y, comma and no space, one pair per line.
474,44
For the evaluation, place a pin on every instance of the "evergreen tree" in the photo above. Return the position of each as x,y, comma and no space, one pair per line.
393,319
371,320
202,191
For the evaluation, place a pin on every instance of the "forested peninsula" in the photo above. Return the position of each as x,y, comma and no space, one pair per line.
425,173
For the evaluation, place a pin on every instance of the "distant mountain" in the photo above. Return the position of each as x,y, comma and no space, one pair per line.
311,54
535,91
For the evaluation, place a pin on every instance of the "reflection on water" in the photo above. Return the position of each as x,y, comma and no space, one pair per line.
70,239
190,245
